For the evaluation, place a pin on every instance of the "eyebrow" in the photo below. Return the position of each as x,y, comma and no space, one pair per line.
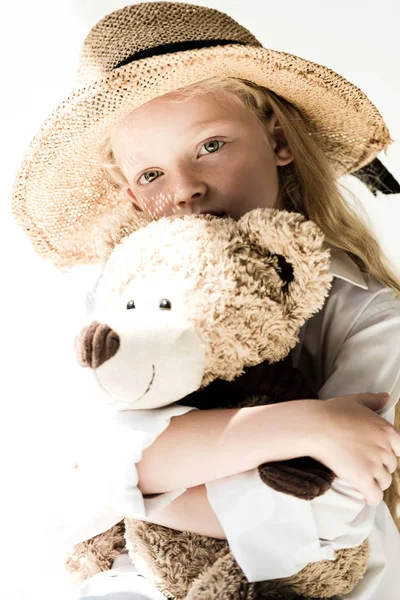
201,124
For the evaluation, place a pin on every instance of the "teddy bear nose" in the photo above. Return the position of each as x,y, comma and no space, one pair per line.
96,344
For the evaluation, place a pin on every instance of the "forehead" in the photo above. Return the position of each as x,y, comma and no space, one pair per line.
171,115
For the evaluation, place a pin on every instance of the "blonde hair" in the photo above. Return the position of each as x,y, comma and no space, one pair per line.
308,185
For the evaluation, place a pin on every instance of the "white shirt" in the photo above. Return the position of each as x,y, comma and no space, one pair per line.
350,346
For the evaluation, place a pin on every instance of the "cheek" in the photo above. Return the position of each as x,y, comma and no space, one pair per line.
253,180
159,204
155,205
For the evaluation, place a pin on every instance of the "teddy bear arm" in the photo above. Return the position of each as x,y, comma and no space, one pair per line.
301,477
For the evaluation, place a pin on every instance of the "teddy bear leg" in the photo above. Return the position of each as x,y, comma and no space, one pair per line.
168,558
95,555
224,580
323,579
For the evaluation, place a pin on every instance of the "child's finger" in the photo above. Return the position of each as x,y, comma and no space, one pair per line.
396,442
391,463
384,478
374,494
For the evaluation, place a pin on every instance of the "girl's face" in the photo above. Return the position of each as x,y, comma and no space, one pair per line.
207,154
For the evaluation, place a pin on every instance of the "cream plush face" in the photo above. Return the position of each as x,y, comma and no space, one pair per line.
207,154
237,293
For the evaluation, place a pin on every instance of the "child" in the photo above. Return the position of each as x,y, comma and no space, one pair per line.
248,128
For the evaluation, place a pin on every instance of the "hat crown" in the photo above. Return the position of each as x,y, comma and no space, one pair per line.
148,25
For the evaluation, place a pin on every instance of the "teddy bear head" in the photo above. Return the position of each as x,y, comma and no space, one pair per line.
184,301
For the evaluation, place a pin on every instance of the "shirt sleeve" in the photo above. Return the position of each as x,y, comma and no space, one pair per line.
103,488
369,359
274,535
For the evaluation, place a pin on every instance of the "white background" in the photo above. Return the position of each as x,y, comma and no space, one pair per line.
42,308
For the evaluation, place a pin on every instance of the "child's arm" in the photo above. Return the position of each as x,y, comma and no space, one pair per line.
191,511
205,445
343,433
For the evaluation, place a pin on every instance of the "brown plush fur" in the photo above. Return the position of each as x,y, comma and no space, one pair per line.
246,311
158,551
97,554
177,564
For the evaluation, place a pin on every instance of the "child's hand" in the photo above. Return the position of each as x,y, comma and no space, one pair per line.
357,444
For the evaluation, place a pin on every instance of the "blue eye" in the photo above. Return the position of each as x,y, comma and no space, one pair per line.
130,305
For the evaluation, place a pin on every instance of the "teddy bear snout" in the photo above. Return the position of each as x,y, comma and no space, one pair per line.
96,344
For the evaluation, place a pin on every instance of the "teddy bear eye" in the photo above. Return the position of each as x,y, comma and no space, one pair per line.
130,304
165,304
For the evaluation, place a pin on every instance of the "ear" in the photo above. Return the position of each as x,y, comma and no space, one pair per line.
303,261
279,144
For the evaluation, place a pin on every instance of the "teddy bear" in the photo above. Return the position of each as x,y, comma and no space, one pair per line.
207,310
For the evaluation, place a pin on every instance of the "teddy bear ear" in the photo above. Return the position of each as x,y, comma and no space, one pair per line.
302,258
285,270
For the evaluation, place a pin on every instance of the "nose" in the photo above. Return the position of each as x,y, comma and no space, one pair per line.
96,344
189,190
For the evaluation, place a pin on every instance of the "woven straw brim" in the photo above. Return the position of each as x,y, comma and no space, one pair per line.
62,197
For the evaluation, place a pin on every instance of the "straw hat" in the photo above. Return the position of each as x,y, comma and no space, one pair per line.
61,195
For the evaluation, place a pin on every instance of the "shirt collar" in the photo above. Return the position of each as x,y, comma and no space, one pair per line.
343,267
